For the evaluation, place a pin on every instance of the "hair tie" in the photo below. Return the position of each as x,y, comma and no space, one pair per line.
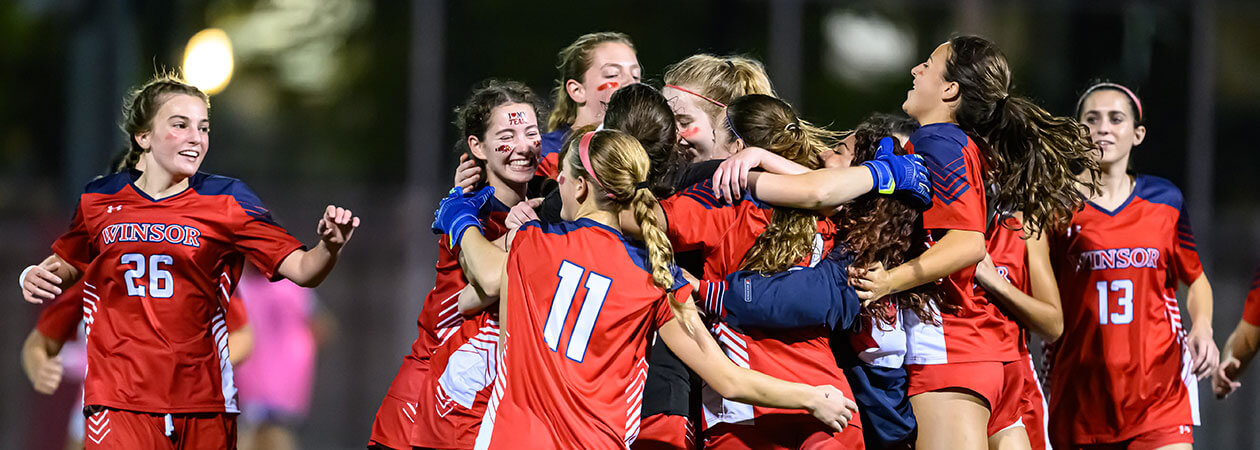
1137,103
715,102
730,64
999,106
642,185
730,125
584,153
791,126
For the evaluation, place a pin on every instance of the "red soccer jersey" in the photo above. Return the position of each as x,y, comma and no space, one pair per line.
156,275
724,233
443,332
580,309
975,330
59,320
1251,309
1118,368
1009,252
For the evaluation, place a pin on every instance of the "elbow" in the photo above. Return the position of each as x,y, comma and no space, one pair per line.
1053,332
728,389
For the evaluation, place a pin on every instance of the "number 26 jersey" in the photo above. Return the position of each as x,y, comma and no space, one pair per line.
1118,371
157,275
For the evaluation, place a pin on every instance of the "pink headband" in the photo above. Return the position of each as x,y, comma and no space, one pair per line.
715,102
1138,103
584,153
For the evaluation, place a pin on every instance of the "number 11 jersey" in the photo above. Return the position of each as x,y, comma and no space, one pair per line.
157,275
580,309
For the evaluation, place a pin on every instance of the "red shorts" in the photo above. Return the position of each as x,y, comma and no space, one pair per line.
441,422
1034,408
119,429
664,432
1150,440
784,432
396,416
1001,385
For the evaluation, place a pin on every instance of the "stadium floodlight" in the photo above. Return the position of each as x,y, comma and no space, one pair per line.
208,60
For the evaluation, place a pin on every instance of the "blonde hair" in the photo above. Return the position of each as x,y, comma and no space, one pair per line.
574,61
770,123
621,168
722,79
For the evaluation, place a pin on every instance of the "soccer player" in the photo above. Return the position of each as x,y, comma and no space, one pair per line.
572,367
1016,274
751,235
1124,370
500,132
869,346
699,88
153,247
591,69
1241,346
959,94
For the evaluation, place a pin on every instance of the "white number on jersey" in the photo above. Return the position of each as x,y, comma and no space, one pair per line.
161,283
1125,301
596,290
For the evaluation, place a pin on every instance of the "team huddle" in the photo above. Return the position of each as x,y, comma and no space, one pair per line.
696,266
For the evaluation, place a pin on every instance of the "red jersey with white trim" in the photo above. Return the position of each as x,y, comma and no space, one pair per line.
1009,252
59,320
1118,368
1251,309
724,233
579,311
439,317
975,330
156,275
456,353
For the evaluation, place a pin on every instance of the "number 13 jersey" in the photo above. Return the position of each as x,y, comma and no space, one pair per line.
157,276
1118,370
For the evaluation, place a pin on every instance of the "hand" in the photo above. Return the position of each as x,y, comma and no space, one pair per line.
831,407
905,174
467,174
459,211
871,283
522,212
1204,354
1225,378
47,376
336,227
986,273
731,177
40,283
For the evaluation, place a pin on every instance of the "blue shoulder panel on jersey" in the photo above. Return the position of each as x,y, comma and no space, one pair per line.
1158,190
494,205
110,184
941,146
552,141
637,253
704,194
210,184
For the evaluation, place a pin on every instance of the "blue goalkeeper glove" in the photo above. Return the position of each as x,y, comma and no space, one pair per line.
458,212
903,174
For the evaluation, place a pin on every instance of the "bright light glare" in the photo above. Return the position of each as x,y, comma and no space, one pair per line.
208,60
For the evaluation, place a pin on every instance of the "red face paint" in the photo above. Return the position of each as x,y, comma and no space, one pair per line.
504,148
690,132
607,86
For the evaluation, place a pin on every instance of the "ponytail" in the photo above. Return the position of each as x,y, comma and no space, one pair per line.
1033,157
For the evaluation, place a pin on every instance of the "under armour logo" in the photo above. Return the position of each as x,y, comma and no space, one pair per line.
112,208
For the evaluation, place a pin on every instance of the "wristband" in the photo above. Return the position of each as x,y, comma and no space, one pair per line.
22,277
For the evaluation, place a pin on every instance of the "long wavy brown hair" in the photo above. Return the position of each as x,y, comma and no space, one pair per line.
1031,156
883,229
